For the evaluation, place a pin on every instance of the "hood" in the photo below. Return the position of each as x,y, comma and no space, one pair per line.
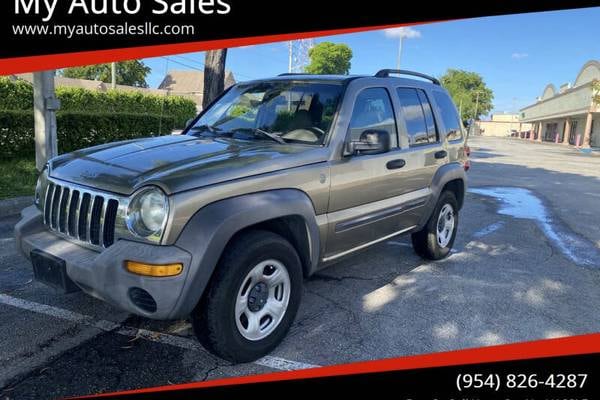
178,163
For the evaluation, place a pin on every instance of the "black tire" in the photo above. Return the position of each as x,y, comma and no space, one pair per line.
214,318
425,241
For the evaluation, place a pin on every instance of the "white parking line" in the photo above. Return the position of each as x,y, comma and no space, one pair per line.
401,244
283,364
158,337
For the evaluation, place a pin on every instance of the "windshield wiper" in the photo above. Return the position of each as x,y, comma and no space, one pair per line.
209,128
270,135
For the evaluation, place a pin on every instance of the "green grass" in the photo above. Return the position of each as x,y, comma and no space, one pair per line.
17,178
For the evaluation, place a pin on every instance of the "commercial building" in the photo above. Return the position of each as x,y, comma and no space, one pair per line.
568,115
501,125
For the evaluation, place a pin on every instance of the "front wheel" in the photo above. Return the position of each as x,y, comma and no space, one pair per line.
436,239
252,299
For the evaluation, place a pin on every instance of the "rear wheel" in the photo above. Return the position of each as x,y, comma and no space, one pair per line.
436,239
252,299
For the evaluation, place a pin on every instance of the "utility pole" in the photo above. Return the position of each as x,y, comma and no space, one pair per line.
476,105
113,73
298,54
45,105
214,75
290,56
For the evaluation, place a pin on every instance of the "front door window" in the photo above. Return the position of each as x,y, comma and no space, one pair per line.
373,110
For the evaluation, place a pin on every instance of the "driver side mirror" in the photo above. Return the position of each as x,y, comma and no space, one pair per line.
371,142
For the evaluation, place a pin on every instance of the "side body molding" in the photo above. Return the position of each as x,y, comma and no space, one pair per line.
210,229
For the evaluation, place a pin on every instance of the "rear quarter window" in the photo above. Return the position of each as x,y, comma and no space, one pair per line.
447,110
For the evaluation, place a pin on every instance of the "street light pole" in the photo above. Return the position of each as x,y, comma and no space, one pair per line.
400,44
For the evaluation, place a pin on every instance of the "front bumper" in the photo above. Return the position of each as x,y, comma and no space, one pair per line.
103,275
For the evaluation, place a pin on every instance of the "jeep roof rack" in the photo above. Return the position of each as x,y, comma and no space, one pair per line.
384,73
292,73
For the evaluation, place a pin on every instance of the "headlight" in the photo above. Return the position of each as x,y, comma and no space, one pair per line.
147,213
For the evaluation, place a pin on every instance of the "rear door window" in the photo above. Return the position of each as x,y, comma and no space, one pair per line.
429,119
416,110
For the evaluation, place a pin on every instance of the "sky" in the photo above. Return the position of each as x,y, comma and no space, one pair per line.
517,55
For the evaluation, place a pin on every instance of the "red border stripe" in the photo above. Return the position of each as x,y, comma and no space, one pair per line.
575,345
56,61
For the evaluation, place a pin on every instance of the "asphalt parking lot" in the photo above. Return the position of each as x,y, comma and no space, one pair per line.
526,266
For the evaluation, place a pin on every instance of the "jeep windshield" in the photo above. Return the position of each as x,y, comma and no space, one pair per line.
278,111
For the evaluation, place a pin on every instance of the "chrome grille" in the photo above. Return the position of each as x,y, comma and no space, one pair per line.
81,214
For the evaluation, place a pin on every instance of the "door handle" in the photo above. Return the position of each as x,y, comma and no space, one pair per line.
441,154
395,164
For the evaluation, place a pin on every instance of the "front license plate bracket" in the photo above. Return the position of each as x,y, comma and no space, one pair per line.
52,271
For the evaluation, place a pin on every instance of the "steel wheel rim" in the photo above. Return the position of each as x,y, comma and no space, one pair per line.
255,320
445,225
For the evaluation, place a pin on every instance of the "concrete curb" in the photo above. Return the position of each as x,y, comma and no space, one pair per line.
587,151
14,206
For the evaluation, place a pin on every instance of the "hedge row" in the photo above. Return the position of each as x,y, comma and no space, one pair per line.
18,95
77,130
15,95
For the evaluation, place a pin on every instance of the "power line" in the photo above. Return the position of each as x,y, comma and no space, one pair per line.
183,64
198,62
190,60
282,47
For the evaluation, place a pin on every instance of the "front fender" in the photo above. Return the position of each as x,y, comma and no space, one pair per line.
207,233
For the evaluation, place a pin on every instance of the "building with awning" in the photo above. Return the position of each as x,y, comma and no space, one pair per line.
567,115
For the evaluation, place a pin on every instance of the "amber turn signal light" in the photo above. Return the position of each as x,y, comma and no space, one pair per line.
157,271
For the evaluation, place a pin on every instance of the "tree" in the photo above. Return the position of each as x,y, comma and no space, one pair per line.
469,91
130,73
329,58
214,75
